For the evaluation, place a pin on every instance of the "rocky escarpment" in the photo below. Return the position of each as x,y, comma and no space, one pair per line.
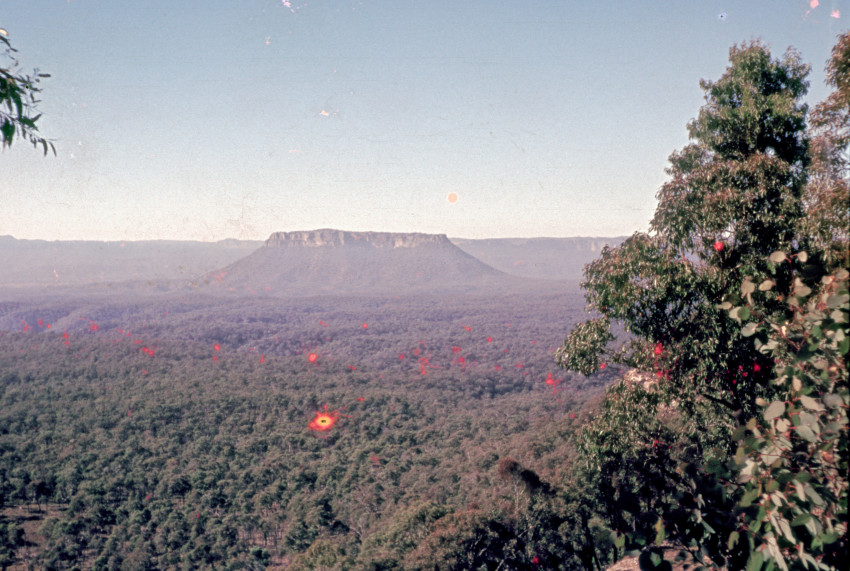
329,237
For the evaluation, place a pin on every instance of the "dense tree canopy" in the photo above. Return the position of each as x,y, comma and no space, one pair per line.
749,188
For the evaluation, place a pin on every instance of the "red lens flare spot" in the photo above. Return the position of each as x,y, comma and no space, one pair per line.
602,366
324,420
416,352
40,322
455,350
352,367
361,399
365,326
322,323
262,359
756,368
312,357
718,246
658,349
93,326
489,340
401,356
216,347
467,327
215,358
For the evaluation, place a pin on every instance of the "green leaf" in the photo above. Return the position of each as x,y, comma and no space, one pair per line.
733,540
755,561
810,403
620,541
786,530
806,433
801,519
801,289
837,300
813,495
747,499
775,409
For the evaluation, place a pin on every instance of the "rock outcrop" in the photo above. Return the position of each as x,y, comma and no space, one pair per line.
328,237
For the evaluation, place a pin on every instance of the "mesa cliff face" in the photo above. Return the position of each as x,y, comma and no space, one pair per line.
329,237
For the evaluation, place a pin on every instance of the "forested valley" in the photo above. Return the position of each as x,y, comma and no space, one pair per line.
178,434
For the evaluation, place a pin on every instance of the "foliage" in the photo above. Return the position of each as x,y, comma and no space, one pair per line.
662,450
18,102
791,463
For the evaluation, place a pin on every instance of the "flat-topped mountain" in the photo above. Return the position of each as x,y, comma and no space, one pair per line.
329,261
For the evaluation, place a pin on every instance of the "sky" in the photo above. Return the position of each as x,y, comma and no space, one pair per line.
222,119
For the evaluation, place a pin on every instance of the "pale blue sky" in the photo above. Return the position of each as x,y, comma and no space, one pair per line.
216,119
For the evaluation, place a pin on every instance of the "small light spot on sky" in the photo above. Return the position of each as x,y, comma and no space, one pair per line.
452,197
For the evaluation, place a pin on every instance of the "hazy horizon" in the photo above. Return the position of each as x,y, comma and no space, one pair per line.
201,121
226,238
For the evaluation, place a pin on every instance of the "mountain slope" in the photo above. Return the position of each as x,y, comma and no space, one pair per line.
544,258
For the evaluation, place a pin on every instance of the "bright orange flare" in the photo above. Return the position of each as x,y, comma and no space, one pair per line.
452,197
322,422
312,357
